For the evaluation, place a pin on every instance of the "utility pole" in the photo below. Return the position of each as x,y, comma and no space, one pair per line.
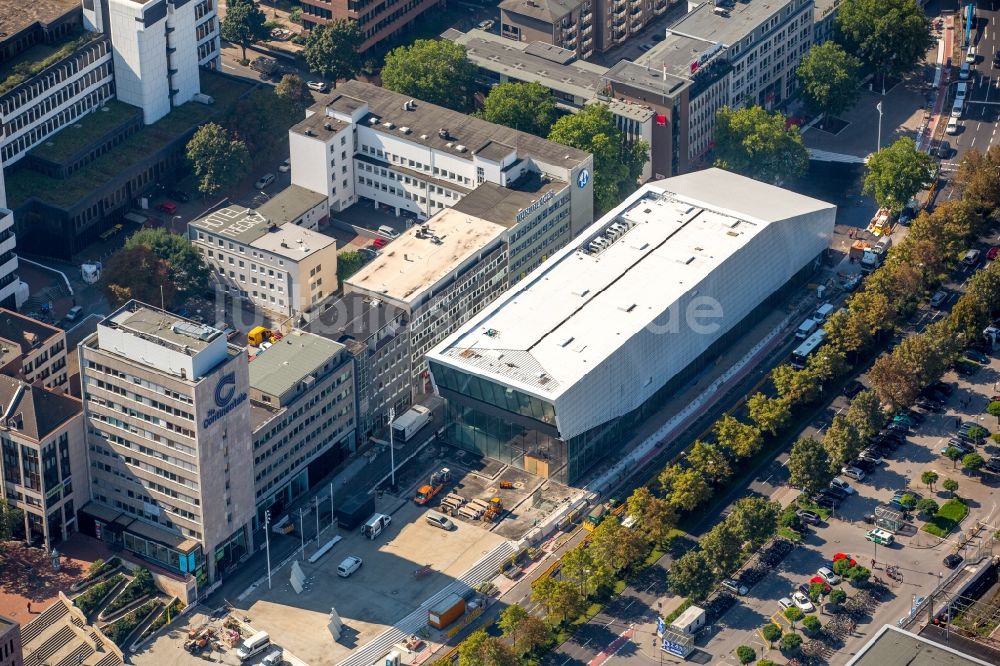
267,544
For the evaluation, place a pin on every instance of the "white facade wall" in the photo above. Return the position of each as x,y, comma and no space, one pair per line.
8,283
652,357
184,60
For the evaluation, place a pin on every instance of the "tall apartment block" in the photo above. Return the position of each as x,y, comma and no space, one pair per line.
377,20
11,291
169,441
581,26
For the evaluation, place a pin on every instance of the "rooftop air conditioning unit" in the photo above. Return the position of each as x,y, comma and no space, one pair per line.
443,133
404,130
388,124
373,120
460,148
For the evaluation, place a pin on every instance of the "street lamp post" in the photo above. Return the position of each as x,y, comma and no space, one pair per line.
879,144
302,533
392,449
267,544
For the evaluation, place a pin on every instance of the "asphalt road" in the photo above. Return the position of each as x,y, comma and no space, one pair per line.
982,109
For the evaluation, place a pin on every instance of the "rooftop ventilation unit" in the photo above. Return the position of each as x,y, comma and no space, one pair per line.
423,137
404,130
443,133
373,120
192,330
460,148
388,124
328,127
409,105
565,342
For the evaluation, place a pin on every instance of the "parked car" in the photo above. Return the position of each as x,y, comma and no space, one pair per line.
872,455
350,564
826,574
930,404
905,419
379,243
285,167
853,388
943,387
880,537
842,485
808,517
943,150
952,128
785,602
952,561
645,46
318,86
168,207
852,473
964,71
827,502
734,587
992,253
977,356
802,601
74,313
961,445
863,464
264,181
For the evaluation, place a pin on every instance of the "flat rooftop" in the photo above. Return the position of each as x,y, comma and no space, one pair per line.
677,53
294,242
354,317
744,17
647,78
237,223
551,66
410,264
290,204
501,205
426,119
290,360
16,15
25,331
892,646
162,327
543,10
578,307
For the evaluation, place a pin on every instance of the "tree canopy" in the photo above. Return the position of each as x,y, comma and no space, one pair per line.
756,143
432,70
528,107
138,273
828,78
243,24
896,173
617,163
809,465
217,160
293,90
186,267
890,36
332,50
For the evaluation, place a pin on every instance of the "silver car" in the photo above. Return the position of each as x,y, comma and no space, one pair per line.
437,520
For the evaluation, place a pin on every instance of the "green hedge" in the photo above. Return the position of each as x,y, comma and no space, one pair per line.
141,585
120,629
90,600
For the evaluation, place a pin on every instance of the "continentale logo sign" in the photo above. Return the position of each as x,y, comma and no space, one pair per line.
226,399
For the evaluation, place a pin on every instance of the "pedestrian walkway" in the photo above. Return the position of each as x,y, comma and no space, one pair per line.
942,79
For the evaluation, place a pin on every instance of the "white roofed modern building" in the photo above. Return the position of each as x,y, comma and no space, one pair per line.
560,368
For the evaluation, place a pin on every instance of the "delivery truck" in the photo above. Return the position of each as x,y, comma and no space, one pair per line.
446,611
410,422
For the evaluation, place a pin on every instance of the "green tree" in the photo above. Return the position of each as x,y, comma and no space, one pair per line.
743,439
686,488
816,590
217,160
432,70
841,441
332,50
754,519
617,163
481,649
137,273
973,462
710,461
293,90
577,565
754,142
349,262
993,409
243,24
929,478
890,36
858,575
951,485
793,614
828,78
528,107
799,387
721,547
809,465
978,176
865,415
771,632
11,520
954,454
261,118
896,173
560,598
791,643
746,654
893,381
927,506
842,566
656,517
811,624
770,414
691,576
837,596
185,265
511,621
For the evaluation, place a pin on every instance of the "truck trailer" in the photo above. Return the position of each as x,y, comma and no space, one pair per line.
446,611
410,422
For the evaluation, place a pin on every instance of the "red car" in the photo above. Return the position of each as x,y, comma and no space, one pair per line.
379,243
992,253
168,207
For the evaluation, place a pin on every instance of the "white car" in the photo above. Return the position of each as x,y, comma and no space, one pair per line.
785,602
964,71
826,574
952,127
802,601
842,485
853,473
960,90
734,587
956,110
284,167
318,86
349,566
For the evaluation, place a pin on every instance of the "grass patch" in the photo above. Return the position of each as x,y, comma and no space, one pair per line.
40,57
68,141
24,184
90,600
804,503
592,610
790,534
947,518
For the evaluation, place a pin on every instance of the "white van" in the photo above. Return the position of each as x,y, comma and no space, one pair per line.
806,328
276,658
388,231
956,109
374,525
253,646
822,312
